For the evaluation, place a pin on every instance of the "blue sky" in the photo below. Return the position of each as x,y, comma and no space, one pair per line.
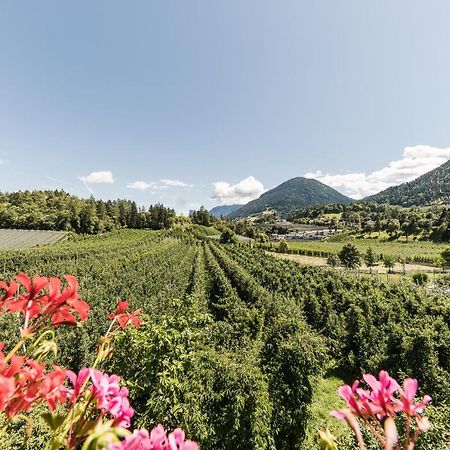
221,99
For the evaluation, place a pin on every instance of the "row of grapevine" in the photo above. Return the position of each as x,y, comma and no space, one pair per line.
369,324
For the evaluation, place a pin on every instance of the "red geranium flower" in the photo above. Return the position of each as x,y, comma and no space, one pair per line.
125,318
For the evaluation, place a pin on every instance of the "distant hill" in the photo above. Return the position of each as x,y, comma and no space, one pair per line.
224,210
296,193
432,187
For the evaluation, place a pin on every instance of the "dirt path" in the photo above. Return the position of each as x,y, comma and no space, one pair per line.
316,261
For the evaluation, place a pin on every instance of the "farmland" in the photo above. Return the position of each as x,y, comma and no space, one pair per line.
237,345
416,251
28,238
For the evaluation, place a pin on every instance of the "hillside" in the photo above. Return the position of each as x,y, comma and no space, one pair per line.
296,193
432,187
224,210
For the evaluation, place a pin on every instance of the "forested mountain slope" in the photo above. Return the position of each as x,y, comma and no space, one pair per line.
432,187
296,193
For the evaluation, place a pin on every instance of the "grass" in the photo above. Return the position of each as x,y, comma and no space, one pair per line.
325,400
413,250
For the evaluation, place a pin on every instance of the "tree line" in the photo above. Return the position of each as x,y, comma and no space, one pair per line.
431,222
57,210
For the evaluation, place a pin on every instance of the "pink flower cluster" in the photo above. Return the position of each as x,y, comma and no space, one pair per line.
378,408
108,396
157,439
386,398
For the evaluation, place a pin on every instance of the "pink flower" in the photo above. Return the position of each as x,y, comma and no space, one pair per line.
406,402
78,382
139,440
156,440
111,398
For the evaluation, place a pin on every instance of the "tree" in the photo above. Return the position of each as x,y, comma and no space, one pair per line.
389,262
333,260
350,256
370,258
283,247
202,217
227,237
445,255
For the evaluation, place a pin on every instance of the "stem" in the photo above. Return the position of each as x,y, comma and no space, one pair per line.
407,431
414,440
27,314
375,432
73,435
110,327
15,349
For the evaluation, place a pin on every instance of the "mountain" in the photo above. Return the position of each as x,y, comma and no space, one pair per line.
432,187
224,210
296,193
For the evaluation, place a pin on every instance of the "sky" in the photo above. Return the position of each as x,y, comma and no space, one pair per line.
213,102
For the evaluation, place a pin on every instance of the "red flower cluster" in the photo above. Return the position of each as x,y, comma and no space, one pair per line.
44,298
23,383
124,318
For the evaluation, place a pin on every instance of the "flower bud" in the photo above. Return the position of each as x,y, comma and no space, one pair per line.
390,432
423,424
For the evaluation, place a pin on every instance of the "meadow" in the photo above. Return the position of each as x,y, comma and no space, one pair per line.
240,349
414,251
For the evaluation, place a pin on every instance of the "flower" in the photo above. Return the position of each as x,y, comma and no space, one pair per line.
385,399
125,318
78,383
44,298
139,440
406,402
157,439
24,383
111,398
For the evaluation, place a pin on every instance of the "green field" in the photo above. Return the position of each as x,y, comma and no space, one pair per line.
237,345
419,251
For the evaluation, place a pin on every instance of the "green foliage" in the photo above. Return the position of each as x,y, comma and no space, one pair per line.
370,258
333,260
57,210
202,217
283,247
234,340
445,255
349,256
389,262
227,237
420,278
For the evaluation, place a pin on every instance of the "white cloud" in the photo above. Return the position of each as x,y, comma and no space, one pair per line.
158,186
141,185
415,162
103,176
240,193
175,183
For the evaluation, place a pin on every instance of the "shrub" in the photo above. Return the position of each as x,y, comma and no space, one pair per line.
420,278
